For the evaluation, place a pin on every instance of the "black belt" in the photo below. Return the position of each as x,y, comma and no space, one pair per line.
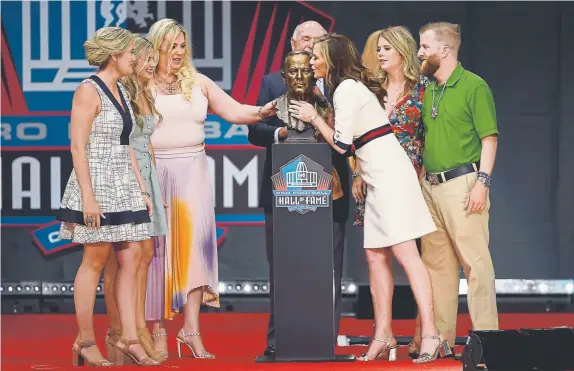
445,176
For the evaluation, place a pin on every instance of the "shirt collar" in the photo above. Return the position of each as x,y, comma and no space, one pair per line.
453,78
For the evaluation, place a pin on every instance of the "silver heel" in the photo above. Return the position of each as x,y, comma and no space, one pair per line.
445,351
393,354
441,348
390,352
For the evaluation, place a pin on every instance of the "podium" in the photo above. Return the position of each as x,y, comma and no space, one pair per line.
304,283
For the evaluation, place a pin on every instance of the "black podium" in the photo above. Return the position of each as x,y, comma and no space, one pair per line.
304,285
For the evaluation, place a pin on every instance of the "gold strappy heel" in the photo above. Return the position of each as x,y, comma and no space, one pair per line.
161,354
78,359
442,350
391,352
112,337
129,357
181,335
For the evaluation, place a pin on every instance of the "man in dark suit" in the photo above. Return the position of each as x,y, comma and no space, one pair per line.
273,130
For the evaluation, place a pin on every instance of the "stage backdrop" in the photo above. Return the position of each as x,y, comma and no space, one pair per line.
523,50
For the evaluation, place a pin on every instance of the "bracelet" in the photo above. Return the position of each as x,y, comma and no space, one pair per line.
259,111
356,175
484,178
313,118
146,194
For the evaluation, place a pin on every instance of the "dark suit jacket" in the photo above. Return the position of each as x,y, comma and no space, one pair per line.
262,135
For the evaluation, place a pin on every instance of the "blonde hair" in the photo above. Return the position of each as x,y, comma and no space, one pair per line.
142,47
369,56
107,42
403,42
449,33
186,75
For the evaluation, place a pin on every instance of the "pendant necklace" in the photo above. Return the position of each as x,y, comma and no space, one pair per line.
169,88
434,111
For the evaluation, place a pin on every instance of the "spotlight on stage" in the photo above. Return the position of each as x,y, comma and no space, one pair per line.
524,349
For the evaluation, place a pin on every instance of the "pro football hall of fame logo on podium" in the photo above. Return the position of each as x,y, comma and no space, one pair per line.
302,186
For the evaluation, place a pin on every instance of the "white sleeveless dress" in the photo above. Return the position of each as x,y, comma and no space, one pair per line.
114,181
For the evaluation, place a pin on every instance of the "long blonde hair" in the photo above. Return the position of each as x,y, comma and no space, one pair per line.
369,56
186,75
106,42
142,47
401,39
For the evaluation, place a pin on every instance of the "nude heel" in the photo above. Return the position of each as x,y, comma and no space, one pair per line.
181,335
78,358
112,337
128,357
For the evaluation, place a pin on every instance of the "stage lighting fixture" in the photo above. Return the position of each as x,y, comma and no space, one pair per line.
23,288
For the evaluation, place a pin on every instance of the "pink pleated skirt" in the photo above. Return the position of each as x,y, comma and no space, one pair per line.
186,258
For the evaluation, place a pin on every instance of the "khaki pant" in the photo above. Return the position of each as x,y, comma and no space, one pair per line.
459,240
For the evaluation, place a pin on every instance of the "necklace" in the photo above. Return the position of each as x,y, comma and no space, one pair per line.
169,88
397,96
434,111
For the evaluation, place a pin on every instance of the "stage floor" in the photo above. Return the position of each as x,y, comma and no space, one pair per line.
44,342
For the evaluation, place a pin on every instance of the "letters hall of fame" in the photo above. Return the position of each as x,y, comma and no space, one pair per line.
43,62
302,186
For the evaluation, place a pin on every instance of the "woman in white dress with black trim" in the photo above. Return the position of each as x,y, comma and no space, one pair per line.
105,204
395,211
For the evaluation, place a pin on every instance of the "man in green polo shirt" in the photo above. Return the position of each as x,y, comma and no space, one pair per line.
460,147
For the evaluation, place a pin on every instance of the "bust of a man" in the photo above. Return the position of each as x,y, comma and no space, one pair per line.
298,77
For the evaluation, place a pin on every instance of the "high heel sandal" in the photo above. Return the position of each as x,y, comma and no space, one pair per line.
181,340
112,337
162,354
147,343
414,350
442,350
78,359
126,355
390,351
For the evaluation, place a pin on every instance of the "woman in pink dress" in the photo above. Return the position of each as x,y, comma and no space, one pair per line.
184,271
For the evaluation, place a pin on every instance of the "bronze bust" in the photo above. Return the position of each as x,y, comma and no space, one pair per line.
298,77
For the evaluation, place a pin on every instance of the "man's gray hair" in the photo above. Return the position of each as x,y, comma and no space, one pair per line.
307,24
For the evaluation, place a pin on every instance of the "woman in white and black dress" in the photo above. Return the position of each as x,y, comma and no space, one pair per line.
395,210
105,203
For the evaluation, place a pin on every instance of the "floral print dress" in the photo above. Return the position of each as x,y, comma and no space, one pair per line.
406,122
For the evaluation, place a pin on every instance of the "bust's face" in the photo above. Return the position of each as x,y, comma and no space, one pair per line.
298,75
